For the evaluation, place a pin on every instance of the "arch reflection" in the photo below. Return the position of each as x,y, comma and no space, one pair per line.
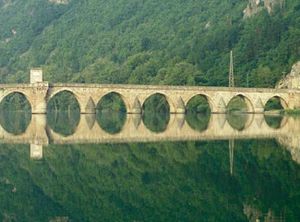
198,121
274,121
66,130
15,122
63,122
156,122
111,122
239,121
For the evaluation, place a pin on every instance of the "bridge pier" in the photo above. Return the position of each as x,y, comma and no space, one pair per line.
87,105
38,98
135,108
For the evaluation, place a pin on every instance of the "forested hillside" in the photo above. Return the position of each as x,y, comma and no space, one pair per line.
147,41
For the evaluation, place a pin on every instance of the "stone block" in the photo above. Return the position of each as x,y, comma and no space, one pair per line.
36,75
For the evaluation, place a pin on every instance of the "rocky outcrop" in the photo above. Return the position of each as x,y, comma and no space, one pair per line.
255,6
5,3
254,215
252,8
60,2
292,80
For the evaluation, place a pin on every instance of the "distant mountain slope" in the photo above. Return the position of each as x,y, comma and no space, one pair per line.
147,41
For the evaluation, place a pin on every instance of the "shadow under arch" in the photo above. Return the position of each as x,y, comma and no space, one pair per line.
240,104
63,113
111,112
15,113
156,113
275,104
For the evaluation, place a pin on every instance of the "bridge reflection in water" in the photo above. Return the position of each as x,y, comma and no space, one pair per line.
179,127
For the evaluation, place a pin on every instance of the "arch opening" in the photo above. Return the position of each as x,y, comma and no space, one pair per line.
63,101
111,102
15,101
156,113
63,113
198,104
239,104
111,113
275,105
15,113
156,103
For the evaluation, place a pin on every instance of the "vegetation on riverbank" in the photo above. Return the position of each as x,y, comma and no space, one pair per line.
292,112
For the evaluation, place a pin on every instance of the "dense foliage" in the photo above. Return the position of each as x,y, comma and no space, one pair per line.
149,41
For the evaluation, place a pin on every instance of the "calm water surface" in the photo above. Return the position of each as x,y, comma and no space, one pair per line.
117,167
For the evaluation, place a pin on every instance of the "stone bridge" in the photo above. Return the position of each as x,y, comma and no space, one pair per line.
39,93
134,96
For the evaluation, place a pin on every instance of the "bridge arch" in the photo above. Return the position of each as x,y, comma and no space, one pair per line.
199,95
170,102
65,90
60,90
120,95
246,100
6,94
280,102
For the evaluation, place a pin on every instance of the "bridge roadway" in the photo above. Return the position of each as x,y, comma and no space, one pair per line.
134,96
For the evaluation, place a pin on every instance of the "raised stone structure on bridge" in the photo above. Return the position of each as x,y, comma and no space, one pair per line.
38,94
